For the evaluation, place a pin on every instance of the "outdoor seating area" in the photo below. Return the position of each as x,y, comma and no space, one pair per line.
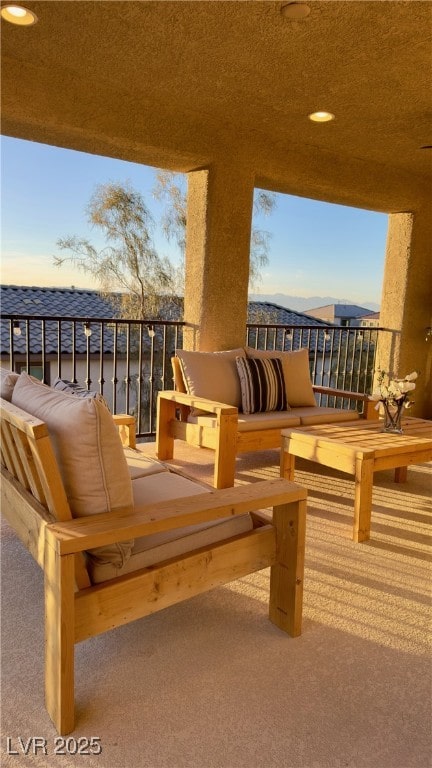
215,407
225,685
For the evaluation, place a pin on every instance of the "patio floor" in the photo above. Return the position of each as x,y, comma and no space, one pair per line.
211,683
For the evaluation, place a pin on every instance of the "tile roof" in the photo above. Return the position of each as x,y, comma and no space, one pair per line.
62,302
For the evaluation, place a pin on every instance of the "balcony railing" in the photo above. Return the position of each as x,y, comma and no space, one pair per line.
128,361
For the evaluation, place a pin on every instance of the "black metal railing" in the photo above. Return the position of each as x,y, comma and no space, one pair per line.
128,361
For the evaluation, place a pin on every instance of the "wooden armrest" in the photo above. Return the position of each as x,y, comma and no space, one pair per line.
210,406
127,428
369,411
97,530
340,393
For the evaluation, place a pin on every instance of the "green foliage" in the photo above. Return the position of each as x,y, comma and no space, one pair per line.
128,271
129,263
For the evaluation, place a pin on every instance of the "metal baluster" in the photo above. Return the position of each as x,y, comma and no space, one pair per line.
140,378
74,355
151,376
88,332
43,351
59,349
101,357
114,376
12,326
127,378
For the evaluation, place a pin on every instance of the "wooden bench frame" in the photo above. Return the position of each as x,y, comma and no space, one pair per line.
35,504
173,408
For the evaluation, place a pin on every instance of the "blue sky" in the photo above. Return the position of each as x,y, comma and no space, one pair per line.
316,249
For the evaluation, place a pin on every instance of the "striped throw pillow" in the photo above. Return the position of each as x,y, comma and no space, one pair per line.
262,385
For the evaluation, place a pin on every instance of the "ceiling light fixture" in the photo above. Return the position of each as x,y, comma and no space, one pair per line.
295,11
321,117
17,14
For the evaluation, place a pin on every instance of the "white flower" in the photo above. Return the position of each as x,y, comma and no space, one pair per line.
394,391
406,386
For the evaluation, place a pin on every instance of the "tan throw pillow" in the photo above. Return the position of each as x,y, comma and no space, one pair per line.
212,375
297,378
262,385
88,451
298,382
73,388
8,379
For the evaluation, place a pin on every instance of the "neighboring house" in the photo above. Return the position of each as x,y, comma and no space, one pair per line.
340,314
370,321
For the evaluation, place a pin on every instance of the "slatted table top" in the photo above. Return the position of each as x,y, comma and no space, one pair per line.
367,435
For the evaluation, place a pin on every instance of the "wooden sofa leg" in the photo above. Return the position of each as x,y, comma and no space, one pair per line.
59,639
286,576
164,442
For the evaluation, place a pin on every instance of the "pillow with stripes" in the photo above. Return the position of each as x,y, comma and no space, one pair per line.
262,385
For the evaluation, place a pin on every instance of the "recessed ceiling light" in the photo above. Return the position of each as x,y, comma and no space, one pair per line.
17,14
295,11
321,117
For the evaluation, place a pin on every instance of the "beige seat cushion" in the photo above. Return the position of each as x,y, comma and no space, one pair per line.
212,375
154,488
306,416
140,465
252,421
8,379
321,415
298,382
149,550
88,450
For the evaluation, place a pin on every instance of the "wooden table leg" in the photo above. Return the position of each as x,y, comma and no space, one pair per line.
401,474
287,465
363,498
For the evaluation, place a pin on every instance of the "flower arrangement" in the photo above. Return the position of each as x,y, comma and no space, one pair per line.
393,393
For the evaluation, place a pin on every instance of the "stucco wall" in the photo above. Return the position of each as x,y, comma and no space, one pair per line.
407,303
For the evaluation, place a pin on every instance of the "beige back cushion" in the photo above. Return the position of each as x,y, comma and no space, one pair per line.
212,375
88,450
298,382
8,379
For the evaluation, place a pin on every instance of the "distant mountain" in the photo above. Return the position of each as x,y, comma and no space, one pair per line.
303,303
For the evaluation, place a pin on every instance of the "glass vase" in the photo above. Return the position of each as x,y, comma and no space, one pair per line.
392,418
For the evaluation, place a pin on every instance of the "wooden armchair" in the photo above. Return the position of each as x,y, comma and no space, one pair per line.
35,503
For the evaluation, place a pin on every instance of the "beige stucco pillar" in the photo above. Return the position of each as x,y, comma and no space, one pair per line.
406,306
219,216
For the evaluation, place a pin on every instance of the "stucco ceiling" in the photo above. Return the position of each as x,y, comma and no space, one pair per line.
186,84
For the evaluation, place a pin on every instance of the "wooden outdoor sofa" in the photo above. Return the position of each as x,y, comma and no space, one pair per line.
119,536
205,410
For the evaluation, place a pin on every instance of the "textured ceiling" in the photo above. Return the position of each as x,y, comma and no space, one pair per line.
185,84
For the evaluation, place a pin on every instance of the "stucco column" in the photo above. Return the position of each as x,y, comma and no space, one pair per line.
406,306
219,216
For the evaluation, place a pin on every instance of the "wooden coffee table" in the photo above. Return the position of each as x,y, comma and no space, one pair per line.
359,448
